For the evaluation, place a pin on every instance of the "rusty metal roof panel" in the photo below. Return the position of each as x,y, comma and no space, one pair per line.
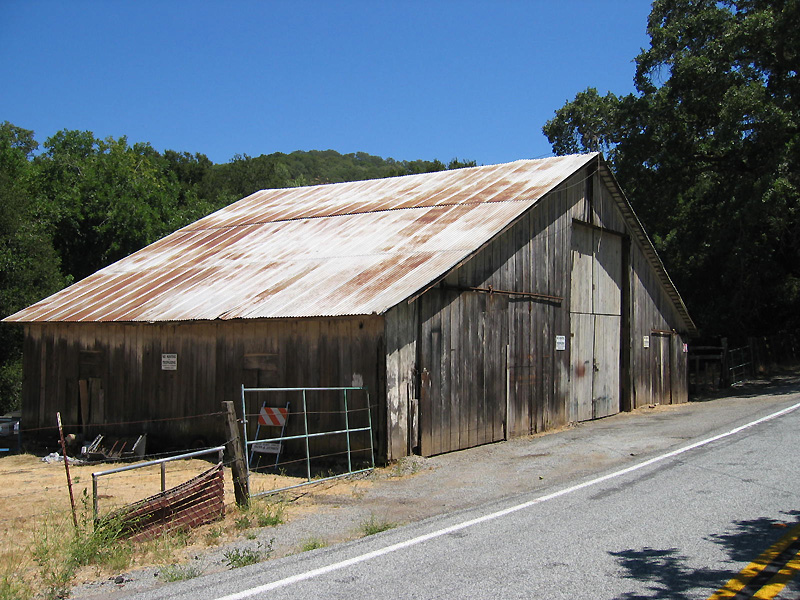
339,249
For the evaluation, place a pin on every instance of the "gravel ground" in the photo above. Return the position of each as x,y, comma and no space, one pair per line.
417,488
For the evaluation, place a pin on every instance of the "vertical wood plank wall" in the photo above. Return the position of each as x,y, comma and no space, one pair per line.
402,413
214,360
652,314
489,369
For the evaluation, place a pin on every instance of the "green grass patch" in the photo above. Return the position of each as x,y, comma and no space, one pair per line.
374,525
241,557
171,573
312,544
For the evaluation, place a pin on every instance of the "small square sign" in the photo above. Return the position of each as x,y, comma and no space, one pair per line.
561,342
169,362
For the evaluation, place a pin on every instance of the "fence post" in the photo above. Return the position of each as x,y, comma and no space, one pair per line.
724,371
241,490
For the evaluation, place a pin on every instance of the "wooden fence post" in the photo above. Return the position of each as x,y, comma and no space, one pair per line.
241,489
725,366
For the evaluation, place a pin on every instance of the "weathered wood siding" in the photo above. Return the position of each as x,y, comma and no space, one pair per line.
402,408
132,394
654,375
489,368
658,373
596,321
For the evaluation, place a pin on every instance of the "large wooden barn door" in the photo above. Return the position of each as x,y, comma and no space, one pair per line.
462,370
596,317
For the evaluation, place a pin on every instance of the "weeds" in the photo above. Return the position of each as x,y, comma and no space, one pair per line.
60,549
265,514
312,544
372,526
243,557
273,516
172,573
12,583
51,552
405,466
10,589
214,536
163,547
101,545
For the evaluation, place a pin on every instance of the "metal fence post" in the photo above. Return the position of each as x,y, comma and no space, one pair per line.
347,428
244,437
305,426
94,498
371,445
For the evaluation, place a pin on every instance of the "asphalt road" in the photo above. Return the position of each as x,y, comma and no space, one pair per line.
677,524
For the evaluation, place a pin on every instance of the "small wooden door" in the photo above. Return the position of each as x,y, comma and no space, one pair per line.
661,345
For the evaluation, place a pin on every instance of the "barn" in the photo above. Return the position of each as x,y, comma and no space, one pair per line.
475,305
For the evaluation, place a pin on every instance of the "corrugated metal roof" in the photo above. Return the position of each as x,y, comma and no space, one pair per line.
340,249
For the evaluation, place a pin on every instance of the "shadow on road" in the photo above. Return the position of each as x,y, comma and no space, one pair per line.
666,573
667,576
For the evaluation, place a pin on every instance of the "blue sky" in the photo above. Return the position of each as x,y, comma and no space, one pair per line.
401,79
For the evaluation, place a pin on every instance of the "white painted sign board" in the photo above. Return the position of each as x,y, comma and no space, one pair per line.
646,341
169,362
267,447
561,342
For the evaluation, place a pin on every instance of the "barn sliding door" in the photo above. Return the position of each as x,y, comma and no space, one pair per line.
462,370
596,318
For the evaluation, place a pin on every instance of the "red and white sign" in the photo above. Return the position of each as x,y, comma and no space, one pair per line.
272,416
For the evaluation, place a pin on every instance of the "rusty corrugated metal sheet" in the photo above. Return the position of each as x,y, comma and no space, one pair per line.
330,250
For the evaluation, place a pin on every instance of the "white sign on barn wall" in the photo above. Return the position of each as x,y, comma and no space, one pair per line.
169,362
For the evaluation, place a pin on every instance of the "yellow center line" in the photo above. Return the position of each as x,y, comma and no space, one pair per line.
730,589
779,581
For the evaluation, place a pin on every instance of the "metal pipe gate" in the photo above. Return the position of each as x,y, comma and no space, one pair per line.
306,435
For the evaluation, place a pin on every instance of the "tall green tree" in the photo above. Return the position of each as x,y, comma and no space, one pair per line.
29,265
708,151
107,198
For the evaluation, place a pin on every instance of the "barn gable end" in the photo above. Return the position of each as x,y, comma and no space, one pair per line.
532,332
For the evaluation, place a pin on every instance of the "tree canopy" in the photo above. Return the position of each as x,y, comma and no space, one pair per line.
707,150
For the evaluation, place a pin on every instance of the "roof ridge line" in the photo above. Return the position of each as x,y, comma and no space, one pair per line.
349,214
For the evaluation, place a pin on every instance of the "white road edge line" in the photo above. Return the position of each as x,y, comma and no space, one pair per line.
495,515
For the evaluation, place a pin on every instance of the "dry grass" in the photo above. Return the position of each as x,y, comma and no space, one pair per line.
42,554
